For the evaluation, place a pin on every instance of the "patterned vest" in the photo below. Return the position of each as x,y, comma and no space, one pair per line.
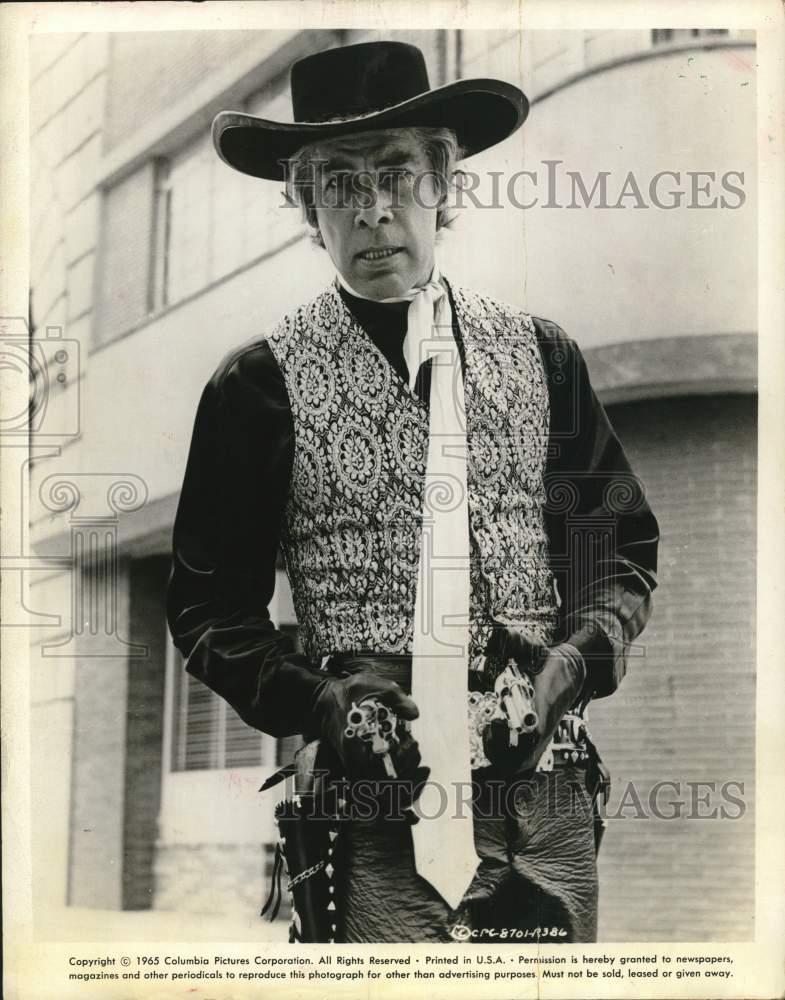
353,523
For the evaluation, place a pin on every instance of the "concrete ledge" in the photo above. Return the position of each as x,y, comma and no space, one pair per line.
702,365
700,44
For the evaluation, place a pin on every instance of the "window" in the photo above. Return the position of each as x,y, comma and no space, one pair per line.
208,734
212,220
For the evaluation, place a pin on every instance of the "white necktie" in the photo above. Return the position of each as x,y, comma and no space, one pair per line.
444,836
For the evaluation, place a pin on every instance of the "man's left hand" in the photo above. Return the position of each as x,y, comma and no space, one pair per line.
557,675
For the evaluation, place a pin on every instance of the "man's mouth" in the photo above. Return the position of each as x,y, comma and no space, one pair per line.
378,254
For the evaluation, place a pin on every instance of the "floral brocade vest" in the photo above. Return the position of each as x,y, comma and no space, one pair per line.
353,523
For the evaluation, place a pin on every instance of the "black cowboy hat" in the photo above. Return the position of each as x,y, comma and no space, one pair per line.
359,88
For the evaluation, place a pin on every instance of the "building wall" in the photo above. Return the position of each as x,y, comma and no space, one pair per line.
686,710
100,758
606,274
151,71
231,879
67,96
144,731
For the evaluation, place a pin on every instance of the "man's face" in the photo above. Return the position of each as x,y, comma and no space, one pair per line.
376,210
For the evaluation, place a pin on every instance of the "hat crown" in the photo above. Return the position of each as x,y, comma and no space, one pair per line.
356,80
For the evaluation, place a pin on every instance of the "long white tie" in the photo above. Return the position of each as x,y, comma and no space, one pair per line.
444,836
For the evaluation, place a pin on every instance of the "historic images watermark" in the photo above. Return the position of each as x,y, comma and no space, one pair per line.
561,793
549,185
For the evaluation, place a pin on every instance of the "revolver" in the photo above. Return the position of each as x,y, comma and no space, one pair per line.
516,697
377,724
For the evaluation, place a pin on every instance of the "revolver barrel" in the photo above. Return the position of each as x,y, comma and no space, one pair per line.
516,695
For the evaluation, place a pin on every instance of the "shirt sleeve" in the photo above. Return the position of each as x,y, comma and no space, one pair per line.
225,543
603,535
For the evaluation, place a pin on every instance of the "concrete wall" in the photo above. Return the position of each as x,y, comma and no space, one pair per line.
152,70
67,96
144,731
608,274
99,763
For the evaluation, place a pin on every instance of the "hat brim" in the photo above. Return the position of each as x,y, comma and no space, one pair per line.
480,112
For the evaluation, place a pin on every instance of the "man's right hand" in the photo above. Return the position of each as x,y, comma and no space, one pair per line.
333,701
557,674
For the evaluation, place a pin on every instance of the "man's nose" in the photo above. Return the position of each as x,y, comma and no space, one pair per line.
374,207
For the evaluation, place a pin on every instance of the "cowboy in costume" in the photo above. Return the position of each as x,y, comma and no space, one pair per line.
469,552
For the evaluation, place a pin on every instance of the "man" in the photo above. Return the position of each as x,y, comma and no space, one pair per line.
454,510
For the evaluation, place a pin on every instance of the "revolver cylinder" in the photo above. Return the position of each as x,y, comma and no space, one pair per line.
376,724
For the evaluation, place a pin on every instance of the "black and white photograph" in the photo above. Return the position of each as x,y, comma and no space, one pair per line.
384,544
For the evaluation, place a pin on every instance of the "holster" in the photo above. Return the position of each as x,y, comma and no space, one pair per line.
309,846
598,785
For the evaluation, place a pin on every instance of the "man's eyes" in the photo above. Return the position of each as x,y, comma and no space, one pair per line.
391,178
346,183
337,184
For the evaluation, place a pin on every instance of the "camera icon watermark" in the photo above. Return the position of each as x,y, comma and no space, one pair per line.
49,366
40,376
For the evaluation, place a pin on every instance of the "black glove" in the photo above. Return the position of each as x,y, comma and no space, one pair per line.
557,674
331,704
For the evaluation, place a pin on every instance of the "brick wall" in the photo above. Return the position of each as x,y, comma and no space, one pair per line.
214,879
685,711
